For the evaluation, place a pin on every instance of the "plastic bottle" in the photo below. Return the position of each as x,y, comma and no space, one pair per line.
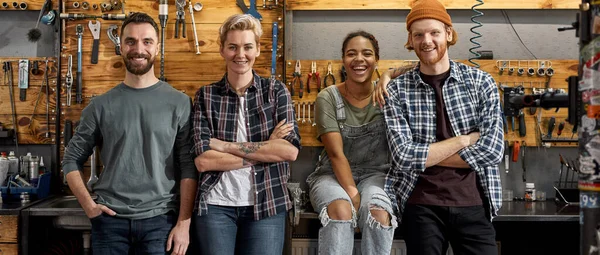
13,166
530,191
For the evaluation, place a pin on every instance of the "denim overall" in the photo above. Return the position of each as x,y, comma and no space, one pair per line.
366,149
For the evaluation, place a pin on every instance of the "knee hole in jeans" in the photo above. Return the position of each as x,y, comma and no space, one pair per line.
380,215
339,210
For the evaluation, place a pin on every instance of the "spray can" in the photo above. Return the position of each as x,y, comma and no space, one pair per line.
13,163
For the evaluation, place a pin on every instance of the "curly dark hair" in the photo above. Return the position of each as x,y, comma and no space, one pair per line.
365,35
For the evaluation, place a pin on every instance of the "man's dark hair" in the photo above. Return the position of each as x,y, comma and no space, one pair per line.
365,35
139,18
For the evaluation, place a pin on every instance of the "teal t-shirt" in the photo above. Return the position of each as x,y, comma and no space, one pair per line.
144,136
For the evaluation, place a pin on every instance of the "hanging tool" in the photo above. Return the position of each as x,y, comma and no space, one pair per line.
34,34
44,84
561,126
328,75
297,79
95,29
68,132
180,19
79,32
252,10
343,74
69,79
313,73
274,51
506,157
523,163
47,99
79,16
23,78
194,27
8,79
314,122
163,14
551,124
35,70
516,149
522,124
113,35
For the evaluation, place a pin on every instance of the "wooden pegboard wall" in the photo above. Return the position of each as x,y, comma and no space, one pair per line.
40,131
296,5
562,70
184,70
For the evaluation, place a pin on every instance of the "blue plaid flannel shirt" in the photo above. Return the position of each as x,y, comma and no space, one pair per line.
473,104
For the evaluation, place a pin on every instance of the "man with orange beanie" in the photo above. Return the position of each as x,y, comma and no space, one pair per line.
446,140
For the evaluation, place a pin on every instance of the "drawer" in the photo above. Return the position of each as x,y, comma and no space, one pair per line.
9,249
8,228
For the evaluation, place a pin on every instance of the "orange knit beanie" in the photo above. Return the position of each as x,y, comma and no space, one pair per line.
428,9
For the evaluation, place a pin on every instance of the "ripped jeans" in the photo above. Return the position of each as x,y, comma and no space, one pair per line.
337,236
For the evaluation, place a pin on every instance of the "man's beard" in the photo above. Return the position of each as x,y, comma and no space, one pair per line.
440,50
136,69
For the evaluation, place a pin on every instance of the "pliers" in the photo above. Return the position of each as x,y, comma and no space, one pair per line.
313,73
297,79
180,4
328,75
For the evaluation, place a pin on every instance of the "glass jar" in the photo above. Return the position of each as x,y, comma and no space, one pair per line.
530,191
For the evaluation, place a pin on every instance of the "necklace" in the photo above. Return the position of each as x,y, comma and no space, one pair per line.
359,99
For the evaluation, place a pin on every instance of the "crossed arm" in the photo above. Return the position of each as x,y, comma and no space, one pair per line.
225,156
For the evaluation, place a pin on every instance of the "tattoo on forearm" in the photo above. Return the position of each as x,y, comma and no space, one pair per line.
248,162
248,148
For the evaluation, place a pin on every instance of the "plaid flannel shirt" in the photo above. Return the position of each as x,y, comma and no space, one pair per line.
473,104
215,116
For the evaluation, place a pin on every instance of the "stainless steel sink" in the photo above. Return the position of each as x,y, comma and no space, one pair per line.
66,212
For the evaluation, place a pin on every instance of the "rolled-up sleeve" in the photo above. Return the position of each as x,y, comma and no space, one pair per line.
82,143
406,154
201,128
489,148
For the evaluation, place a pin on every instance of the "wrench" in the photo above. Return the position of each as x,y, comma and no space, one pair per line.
315,114
113,35
79,31
303,113
298,111
69,79
309,119
95,29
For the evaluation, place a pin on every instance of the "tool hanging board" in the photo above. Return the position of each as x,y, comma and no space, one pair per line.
296,5
36,133
184,69
562,70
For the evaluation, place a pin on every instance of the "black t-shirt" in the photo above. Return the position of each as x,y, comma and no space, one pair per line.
438,185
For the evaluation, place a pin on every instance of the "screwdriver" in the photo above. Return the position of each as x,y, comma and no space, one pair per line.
550,127
561,126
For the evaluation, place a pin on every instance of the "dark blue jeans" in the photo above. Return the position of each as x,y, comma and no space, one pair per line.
428,229
112,235
233,230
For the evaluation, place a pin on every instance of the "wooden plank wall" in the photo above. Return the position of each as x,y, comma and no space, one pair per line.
562,68
184,69
40,131
296,5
